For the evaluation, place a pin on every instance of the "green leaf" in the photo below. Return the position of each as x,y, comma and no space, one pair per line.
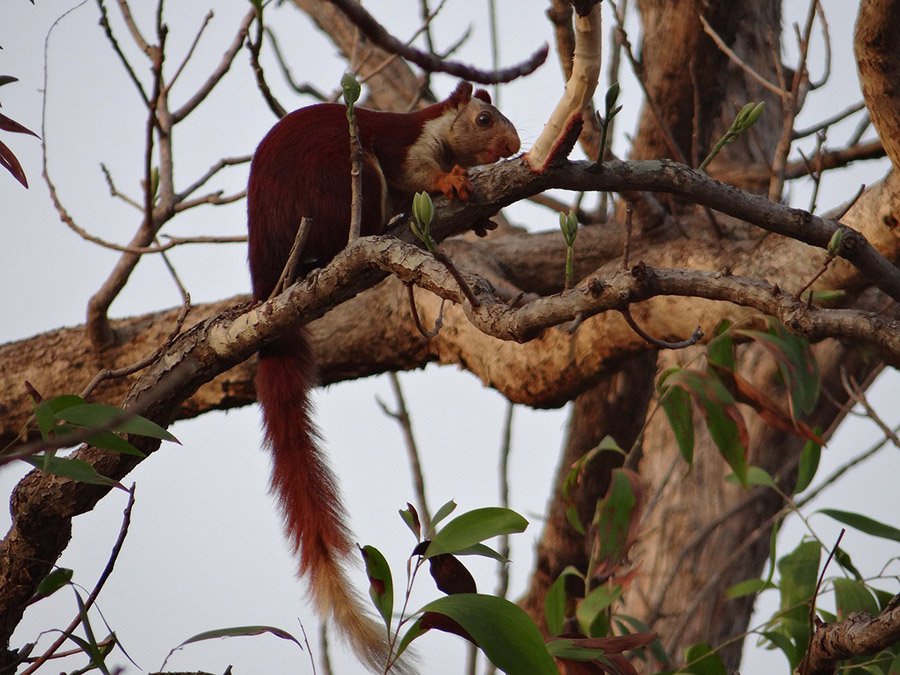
574,520
851,595
90,415
799,571
796,363
567,648
748,587
351,88
720,351
718,407
381,583
45,412
843,559
484,551
783,642
89,646
884,599
809,464
773,548
505,633
555,601
864,524
74,469
799,574
636,626
411,518
700,659
834,244
612,97
606,444
676,403
423,212
58,577
411,634
614,516
240,631
726,435
443,512
593,607
474,527
803,367
107,440
755,476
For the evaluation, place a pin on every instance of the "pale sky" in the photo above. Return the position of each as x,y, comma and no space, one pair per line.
205,548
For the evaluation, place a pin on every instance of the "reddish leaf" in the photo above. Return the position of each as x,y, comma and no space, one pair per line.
444,623
612,660
616,644
767,408
7,124
9,162
450,575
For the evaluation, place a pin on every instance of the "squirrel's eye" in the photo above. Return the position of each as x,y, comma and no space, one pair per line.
483,119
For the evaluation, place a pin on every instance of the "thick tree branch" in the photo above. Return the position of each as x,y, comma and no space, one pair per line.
857,635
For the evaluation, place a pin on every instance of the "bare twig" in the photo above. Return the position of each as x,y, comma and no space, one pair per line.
651,103
826,40
91,599
505,452
190,51
304,88
375,32
815,172
148,360
792,104
855,392
737,60
254,46
289,273
695,337
835,475
829,121
804,667
427,334
139,40
212,199
626,251
441,257
356,169
844,208
114,191
219,72
401,415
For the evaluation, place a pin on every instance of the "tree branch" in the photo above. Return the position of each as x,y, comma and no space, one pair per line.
375,32
857,635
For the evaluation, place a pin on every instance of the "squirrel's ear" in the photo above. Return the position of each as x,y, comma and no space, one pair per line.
462,93
483,95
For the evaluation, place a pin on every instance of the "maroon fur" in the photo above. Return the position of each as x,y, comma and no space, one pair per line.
302,168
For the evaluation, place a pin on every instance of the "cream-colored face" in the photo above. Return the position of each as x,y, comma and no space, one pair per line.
483,135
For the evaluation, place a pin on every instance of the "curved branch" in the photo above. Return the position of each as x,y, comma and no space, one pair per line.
375,32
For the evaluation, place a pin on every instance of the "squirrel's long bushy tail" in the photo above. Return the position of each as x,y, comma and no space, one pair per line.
306,490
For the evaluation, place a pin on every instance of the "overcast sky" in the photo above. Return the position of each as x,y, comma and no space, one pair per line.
205,548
